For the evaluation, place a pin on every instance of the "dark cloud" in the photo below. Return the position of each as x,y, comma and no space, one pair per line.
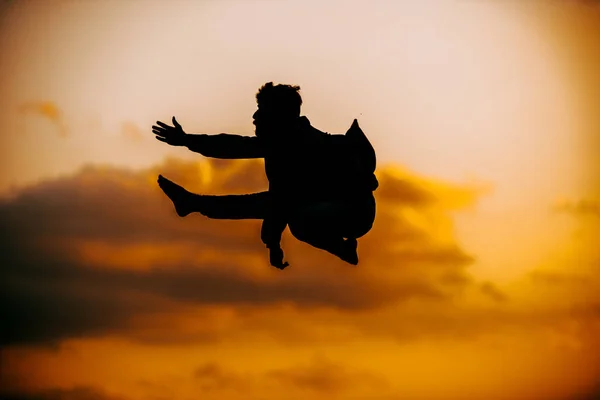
591,394
73,265
588,2
75,393
47,300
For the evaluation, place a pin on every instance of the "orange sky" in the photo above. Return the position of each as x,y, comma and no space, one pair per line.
478,281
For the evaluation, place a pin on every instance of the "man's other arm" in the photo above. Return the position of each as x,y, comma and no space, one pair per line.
272,229
225,145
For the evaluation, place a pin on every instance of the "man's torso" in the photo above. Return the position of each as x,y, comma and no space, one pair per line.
311,165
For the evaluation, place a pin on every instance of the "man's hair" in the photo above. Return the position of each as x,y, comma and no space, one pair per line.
285,98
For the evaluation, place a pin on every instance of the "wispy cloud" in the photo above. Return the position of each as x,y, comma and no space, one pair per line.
48,110
324,376
132,132
490,290
583,207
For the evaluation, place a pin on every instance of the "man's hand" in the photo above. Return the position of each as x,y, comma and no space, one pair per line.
276,258
173,135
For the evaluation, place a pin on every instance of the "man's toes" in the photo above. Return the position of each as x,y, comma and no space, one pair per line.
170,186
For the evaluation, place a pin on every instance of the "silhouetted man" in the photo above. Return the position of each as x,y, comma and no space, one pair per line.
320,185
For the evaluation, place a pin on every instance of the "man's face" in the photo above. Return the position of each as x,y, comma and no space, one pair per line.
265,121
270,120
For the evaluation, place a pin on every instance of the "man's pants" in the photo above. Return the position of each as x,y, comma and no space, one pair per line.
313,223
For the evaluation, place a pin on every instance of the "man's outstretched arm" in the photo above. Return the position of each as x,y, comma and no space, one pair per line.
225,145
216,146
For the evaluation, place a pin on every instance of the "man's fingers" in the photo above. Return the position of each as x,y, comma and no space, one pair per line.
160,132
280,264
176,123
158,128
164,125
162,139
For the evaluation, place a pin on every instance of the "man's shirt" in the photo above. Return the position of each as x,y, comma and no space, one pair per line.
303,165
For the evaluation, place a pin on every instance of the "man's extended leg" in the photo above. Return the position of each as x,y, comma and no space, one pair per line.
248,206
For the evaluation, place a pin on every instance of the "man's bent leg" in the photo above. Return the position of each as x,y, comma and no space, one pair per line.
325,225
322,226
250,206
345,249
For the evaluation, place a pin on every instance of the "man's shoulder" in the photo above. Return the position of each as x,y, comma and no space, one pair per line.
316,136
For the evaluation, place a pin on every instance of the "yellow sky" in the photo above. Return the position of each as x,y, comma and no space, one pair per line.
484,282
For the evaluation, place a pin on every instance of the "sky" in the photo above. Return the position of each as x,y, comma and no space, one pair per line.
479,279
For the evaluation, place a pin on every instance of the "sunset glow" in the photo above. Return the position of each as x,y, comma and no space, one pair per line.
479,280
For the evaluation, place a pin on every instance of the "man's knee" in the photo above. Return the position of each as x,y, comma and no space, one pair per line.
301,229
359,229
321,219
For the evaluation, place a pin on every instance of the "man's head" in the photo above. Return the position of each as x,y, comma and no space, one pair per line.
278,105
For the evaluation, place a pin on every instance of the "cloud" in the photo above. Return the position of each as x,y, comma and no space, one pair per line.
48,110
560,278
590,394
591,3
320,376
132,132
582,207
490,290
213,377
101,251
75,393
323,376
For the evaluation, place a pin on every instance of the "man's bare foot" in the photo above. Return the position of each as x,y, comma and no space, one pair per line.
349,251
181,198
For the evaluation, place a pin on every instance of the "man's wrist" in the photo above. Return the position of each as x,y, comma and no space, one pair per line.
186,140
